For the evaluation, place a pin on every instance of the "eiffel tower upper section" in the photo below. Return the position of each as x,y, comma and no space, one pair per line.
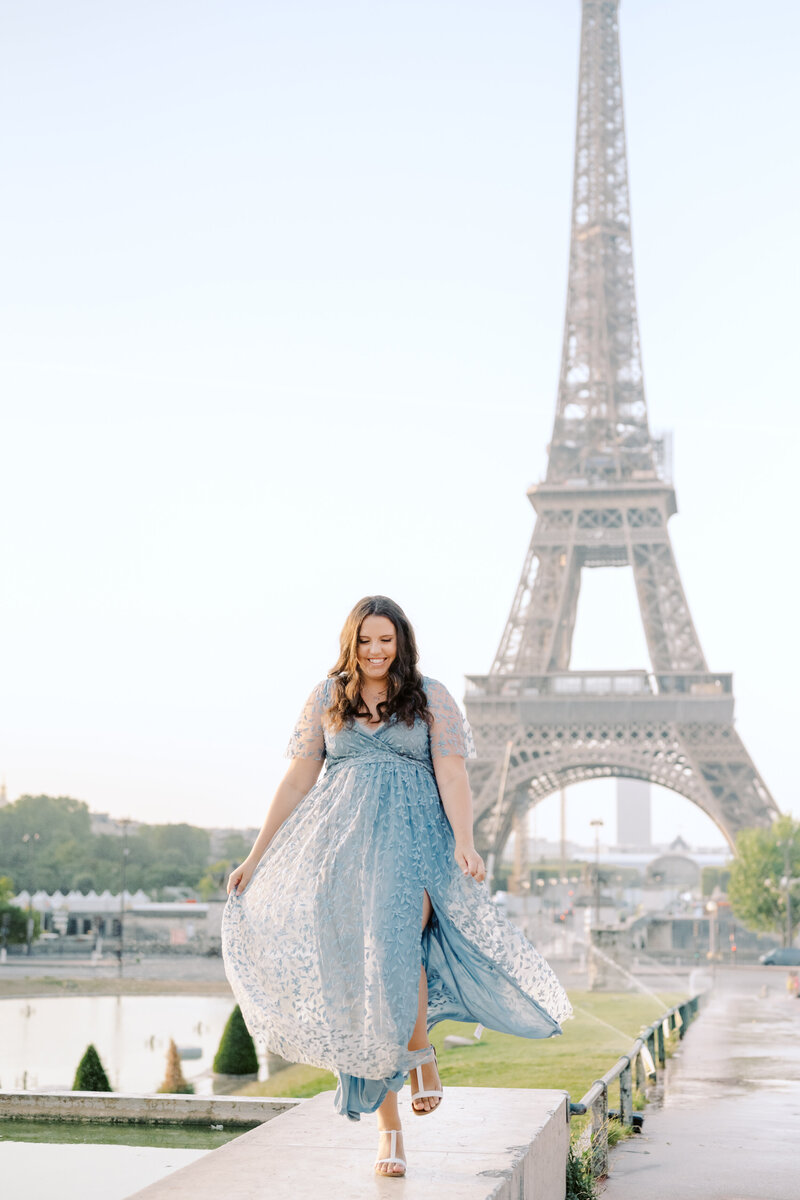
605,502
606,497
601,433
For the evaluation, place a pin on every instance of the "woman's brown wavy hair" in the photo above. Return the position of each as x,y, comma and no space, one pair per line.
405,696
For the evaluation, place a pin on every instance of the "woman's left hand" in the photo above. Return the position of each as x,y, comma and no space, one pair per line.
471,862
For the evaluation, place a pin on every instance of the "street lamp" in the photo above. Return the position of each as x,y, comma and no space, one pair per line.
596,825
30,840
124,822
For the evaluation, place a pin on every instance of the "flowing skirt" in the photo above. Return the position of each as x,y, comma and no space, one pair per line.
323,948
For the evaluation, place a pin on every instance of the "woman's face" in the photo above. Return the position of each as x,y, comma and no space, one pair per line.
377,647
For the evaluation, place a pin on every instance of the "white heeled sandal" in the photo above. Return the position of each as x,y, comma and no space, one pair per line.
425,1094
393,1157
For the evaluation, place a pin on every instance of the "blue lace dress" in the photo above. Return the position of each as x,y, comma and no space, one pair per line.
323,947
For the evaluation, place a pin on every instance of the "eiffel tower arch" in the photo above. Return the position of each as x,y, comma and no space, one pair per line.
605,501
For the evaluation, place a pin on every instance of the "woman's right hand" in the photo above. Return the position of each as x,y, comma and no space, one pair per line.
240,877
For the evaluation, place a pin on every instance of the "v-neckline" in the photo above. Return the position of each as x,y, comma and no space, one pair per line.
364,729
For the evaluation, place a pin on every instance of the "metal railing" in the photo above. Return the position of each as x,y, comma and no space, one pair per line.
633,1070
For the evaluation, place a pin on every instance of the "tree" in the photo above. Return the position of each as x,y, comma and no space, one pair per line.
215,878
90,1075
62,852
236,847
14,921
713,878
174,1081
767,869
55,821
237,1052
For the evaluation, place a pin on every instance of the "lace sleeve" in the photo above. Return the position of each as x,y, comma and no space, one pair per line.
450,731
308,740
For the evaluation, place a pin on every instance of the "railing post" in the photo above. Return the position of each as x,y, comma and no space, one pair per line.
662,1057
600,1132
638,1074
651,1045
626,1096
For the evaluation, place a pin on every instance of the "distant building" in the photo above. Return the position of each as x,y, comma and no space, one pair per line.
674,870
103,823
542,849
218,838
634,823
74,921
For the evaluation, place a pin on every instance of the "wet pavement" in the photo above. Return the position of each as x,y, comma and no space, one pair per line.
727,1125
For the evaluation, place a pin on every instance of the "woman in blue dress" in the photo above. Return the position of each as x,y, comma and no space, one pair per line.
360,918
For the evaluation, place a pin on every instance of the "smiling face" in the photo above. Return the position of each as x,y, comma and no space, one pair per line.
376,647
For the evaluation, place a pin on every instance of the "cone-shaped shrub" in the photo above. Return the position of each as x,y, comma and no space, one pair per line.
174,1080
237,1052
90,1076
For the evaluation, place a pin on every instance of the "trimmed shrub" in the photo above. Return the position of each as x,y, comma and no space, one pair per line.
90,1075
174,1080
237,1052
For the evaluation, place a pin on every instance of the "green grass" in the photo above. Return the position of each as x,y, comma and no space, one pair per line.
617,1132
572,1062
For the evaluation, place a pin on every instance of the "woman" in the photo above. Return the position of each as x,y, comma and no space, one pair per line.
321,933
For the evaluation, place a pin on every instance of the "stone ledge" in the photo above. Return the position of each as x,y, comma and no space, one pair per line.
485,1144
161,1108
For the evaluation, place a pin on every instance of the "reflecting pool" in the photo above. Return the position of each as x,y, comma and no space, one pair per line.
42,1040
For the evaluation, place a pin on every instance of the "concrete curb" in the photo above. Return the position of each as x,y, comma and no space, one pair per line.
485,1144
148,1109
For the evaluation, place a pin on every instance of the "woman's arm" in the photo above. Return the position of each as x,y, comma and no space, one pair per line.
453,784
298,781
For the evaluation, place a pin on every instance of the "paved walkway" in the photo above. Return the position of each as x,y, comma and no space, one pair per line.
158,967
729,1123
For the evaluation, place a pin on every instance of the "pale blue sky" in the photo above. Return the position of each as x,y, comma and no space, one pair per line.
282,299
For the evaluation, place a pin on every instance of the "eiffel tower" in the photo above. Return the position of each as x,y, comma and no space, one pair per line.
605,502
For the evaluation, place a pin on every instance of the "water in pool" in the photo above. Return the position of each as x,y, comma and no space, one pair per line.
43,1040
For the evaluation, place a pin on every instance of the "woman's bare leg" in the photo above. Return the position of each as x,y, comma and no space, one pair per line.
388,1112
419,1038
389,1118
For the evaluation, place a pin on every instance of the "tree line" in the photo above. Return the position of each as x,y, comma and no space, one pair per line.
46,843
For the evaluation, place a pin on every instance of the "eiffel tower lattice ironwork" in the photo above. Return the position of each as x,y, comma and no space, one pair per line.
605,502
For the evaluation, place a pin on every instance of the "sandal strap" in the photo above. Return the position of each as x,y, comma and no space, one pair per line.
422,1092
393,1156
